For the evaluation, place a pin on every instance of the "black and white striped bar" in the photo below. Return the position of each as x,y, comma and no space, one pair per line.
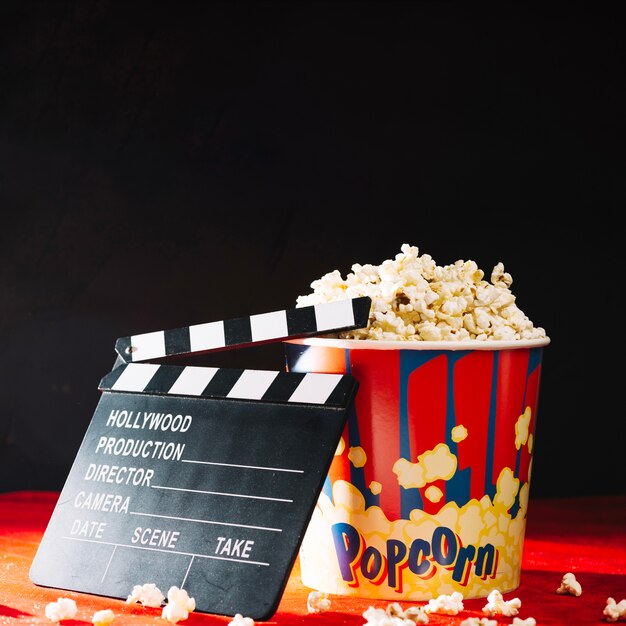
264,327
237,384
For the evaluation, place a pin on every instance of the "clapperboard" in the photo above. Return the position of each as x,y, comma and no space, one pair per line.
199,477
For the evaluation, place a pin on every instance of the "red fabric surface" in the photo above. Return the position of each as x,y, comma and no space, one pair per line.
586,536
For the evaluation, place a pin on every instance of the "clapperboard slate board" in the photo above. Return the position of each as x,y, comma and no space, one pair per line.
197,477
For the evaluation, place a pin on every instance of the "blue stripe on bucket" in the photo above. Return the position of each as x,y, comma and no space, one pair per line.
458,487
490,488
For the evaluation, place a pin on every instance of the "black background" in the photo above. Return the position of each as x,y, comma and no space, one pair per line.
170,163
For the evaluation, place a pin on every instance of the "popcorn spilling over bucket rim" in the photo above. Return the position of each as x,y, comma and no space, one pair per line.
377,344
414,299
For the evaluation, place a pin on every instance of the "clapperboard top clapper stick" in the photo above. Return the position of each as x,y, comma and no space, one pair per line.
202,478
243,331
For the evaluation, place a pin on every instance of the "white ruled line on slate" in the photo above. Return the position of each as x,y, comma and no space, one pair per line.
220,493
259,467
182,585
206,521
109,563
200,556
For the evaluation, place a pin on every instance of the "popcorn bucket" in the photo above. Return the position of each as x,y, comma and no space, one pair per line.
428,490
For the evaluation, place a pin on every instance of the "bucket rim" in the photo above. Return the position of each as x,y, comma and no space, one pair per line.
376,344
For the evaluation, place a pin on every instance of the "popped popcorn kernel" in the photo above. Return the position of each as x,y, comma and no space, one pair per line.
181,598
394,615
614,611
498,275
414,299
529,621
174,613
63,608
479,621
445,604
317,602
240,620
570,585
147,595
178,606
103,618
394,609
416,614
497,605
378,617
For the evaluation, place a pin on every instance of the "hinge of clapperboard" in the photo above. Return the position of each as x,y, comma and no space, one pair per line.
132,373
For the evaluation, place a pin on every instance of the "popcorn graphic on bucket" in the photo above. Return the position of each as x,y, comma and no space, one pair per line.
428,491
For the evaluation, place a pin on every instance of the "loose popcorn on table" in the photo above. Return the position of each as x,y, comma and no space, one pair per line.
416,615
529,621
103,618
570,585
393,615
178,606
174,613
497,605
479,621
445,604
63,608
240,620
148,595
181,598
414,299
614,611
317,602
